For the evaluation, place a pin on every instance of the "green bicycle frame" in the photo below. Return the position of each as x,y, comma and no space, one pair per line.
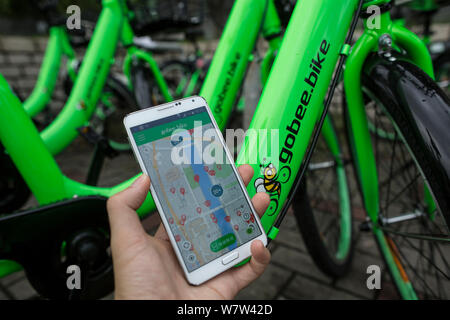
220,90
112,27
363,152
89,81
57,47
133,54
296,85
300,95
32,152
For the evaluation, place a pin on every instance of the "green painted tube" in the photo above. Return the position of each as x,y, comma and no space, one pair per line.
363,154
272,31
21,140
415,47
405,287
364,159
48,74
231,58
298,83
272,23
192,83
156,72
90,80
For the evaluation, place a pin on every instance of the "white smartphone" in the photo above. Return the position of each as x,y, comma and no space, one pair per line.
199,194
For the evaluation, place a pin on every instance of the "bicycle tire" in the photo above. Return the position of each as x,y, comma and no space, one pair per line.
309,212
143,83
180,85
107,125
174,81
401,91
124,103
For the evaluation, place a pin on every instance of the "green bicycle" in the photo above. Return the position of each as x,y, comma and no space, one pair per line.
185,77
116,98
112,22
297,85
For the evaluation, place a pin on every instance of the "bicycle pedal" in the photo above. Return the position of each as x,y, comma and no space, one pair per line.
98,140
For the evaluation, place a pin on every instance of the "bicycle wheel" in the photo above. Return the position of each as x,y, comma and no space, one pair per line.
322,208
143,85
178,76
412,231
115,103
185,79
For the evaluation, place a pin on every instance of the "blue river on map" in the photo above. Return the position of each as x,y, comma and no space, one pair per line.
206,185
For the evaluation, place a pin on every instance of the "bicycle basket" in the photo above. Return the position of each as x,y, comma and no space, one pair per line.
156,15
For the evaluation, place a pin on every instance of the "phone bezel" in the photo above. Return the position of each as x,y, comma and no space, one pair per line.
216,266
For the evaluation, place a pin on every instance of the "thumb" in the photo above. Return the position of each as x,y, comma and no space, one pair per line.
123,219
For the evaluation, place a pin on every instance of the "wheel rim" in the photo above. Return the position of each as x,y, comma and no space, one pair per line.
328,195
406,212
177,78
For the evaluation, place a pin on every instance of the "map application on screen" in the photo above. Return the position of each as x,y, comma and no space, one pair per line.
196,186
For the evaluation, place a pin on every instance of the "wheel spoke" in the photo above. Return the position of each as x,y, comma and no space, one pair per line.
421,243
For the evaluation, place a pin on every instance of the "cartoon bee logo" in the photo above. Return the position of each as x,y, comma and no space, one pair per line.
269,181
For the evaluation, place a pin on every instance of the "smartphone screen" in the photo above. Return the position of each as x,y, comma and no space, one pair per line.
198,189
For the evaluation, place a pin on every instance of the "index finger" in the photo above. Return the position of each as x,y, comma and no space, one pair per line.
246,172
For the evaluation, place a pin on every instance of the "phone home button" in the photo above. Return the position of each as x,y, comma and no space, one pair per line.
230,258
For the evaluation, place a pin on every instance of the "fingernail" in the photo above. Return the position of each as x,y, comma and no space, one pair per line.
138,181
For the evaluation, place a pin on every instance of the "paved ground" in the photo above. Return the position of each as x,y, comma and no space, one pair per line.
291,274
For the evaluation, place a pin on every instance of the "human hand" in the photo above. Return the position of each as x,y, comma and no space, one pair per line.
146,267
